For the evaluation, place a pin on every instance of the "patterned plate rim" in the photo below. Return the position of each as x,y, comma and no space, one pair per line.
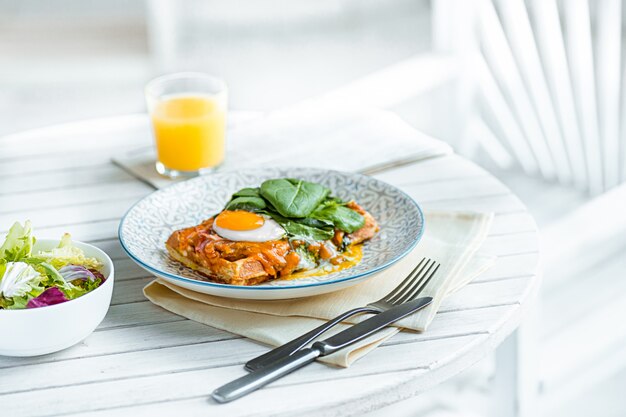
257,287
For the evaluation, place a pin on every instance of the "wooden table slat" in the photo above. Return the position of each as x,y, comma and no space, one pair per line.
22,204
231,351
124,392
63,180
373,390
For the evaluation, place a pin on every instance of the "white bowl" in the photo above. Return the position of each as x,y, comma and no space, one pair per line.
38,331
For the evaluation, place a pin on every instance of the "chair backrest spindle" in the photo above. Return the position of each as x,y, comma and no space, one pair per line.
548,78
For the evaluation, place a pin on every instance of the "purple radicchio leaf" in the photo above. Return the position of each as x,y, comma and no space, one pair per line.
97,274
49,297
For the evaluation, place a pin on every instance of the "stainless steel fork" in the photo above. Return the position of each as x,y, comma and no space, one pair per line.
407,290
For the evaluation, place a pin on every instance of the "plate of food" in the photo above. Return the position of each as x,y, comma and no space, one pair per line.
271,233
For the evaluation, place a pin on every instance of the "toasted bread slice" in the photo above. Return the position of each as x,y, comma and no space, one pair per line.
195,252
242,272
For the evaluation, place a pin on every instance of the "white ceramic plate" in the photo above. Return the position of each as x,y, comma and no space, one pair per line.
147,225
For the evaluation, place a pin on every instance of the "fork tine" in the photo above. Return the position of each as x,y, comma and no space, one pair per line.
414,279
416,282
417,289
400,288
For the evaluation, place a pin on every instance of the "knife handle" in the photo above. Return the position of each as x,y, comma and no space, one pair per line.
370,326
259,378
298,343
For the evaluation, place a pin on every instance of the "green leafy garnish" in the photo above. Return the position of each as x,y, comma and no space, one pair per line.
292,197
342,217
247,192
19,279
65,254
304,209
300,230
18,243
246,203
30,280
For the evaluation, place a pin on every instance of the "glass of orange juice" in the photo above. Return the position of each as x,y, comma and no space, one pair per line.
188,113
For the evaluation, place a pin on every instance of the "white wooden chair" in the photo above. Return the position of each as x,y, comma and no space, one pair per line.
543,92
549,93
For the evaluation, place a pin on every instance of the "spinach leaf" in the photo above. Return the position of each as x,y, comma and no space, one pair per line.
302,231
342,217
304,209
306,229
248,199
293,197
246,203
247,192
319,223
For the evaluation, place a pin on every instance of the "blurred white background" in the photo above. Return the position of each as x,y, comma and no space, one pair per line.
67,60
92,58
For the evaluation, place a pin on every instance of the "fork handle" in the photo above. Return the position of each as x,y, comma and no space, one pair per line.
298,343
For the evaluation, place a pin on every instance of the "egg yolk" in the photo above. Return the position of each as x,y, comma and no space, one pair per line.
239,220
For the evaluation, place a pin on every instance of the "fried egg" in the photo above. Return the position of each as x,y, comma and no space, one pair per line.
244,226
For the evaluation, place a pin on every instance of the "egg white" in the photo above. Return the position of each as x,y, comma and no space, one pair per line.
269,231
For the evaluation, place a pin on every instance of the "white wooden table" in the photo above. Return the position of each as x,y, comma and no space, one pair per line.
143,360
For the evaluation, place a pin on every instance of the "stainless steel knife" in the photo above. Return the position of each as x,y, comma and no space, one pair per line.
261,377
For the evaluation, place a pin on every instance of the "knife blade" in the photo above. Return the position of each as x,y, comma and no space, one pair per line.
261,377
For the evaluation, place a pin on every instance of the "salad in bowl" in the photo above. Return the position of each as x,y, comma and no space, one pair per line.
53,293
32,279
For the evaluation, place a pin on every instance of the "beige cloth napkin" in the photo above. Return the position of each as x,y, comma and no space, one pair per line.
451,238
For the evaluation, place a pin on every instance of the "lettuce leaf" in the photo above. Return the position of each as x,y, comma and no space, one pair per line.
19,242
15,303
30,280
19,279
65,254
52,276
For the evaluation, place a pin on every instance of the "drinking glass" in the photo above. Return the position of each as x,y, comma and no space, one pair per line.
188,114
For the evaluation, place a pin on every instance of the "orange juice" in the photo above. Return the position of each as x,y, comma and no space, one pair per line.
189,131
